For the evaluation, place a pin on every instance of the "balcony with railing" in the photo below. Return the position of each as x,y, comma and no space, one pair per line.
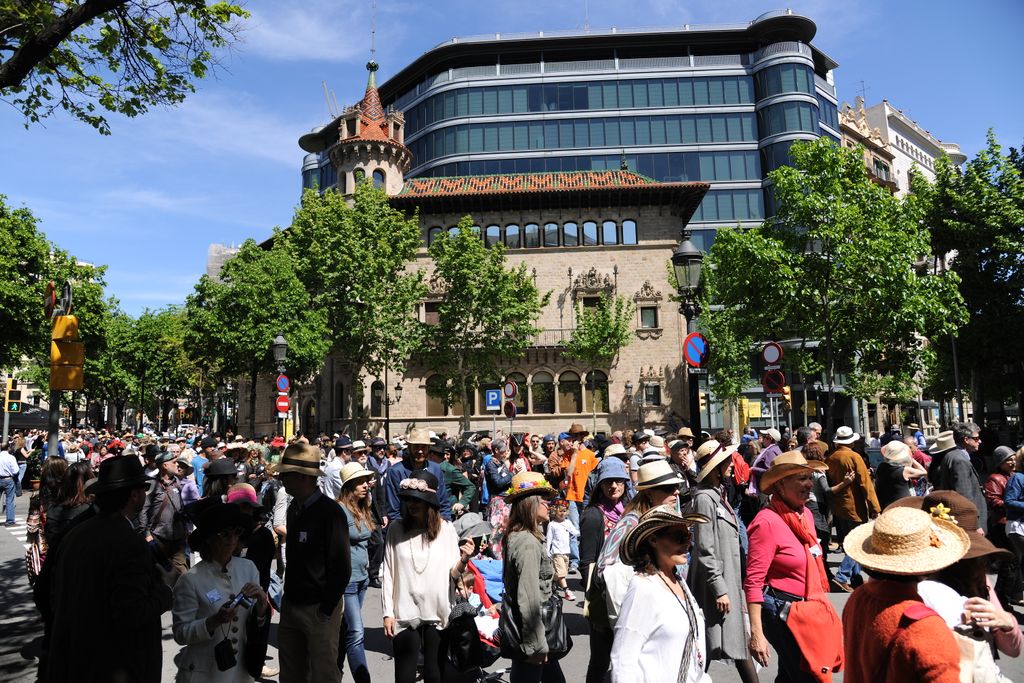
552,337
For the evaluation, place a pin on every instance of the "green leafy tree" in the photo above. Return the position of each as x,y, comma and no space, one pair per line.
118,56
976,219
235,319
487,312
840,266
601,333
354,260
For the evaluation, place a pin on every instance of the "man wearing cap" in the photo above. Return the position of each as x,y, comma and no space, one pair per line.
853,505
207,447
330,483
319,569
582,462
770,439
951,468
107,593
418,447
161,520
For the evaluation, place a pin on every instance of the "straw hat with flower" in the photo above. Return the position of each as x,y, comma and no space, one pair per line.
529,484
906,542
956,508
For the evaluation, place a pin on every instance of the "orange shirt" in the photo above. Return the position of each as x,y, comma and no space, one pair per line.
586,461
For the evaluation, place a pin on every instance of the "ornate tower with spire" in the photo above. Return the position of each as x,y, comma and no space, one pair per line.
370,143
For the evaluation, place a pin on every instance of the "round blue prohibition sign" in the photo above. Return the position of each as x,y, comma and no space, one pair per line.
695,350
282,383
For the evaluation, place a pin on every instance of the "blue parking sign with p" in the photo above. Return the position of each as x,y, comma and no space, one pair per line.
492,397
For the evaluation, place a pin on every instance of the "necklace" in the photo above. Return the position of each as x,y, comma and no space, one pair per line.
685,664
423,544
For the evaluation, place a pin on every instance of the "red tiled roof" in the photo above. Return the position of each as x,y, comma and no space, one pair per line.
373,124
523,182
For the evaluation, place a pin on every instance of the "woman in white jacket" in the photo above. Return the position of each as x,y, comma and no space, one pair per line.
659,636
202,616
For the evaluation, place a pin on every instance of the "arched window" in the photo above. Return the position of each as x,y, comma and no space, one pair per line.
435,404
359,175
493,235
570,393
570,235
542,387
551,234
531,236
453,231
609,232
378,179
522,398
433,233
589,233
339,400
629,232
512,236
597,381
377,399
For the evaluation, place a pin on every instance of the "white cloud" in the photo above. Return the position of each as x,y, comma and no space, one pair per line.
320,31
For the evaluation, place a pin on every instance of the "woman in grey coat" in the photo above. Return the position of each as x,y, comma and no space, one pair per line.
715,576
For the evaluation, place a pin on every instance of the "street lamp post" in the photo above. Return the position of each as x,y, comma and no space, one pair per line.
687,260
280,351
389,401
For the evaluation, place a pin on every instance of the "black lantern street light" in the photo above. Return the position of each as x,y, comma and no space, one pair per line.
280,351
687,261
388,400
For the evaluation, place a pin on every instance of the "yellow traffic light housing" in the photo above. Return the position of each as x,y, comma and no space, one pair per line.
67,355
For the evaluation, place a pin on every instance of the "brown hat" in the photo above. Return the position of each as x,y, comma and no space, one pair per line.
790,462
302,459
685,432
956,508
576,428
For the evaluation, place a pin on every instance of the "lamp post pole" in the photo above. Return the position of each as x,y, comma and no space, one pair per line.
280,351
686,264
388,401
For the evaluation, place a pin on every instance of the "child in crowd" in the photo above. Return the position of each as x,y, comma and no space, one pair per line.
560,531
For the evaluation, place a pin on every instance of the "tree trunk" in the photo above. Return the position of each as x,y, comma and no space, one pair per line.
252,402
464,401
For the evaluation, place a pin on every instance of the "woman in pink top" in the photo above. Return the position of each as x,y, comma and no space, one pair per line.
783,546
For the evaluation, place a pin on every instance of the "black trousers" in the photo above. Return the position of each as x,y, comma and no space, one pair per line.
600,654
1008,578
407,647
375,549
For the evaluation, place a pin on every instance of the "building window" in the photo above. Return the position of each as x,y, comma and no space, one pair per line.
590,302
522,398
378,179
589,233
359,175
531,236
597,382
512,236
493,235
431,312
551,234
570,235
652,394
435,404
433,233
629,232
377,399
649,317
570,393
609,232
542,387
882,170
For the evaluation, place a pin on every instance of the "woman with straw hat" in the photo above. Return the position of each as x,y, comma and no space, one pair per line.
422,557
528,575
889,635
893,475
355,501
659,636
716,573
785,564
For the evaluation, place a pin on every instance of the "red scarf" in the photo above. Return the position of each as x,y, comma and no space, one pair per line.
797,523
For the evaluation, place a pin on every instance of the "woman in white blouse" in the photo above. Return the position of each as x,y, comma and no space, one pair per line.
659,636
422,555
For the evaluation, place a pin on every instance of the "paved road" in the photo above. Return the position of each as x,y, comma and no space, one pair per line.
20,628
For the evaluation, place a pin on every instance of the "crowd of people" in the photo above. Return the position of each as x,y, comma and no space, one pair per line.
684,549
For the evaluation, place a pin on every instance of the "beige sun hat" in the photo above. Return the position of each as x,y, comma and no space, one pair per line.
302,459
353,470
790,462
420,437
845,436
907,541
943,442
717,452
615,449
896,452
657,473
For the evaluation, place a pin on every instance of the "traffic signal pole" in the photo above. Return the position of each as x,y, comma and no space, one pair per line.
7,415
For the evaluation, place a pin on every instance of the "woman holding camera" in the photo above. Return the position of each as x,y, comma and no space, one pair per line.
217,602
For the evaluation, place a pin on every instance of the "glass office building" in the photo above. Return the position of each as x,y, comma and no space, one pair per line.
720,104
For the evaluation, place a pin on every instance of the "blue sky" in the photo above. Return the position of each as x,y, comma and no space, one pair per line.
148,200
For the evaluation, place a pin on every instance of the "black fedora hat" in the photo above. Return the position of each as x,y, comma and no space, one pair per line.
216,517
120,472
420,485
152,452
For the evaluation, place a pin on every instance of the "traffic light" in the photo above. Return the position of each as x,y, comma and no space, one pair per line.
703,401
12,396
787,395
67,355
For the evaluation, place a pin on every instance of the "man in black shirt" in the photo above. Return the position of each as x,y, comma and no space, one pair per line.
319,568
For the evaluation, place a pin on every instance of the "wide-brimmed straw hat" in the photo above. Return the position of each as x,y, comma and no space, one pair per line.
844,436
657,473
529,484
420,485
710,455
790,462
907,542
653,520
616,449
300,458
956,508
896,452
943,442
354,471
685,433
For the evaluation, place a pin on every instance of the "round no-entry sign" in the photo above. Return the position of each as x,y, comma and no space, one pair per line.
510,389
282,404
771,354
695,350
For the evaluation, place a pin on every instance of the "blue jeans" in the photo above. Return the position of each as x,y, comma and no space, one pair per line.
780,637
350,644
7,489
574,541
21,476
523,672
848,568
